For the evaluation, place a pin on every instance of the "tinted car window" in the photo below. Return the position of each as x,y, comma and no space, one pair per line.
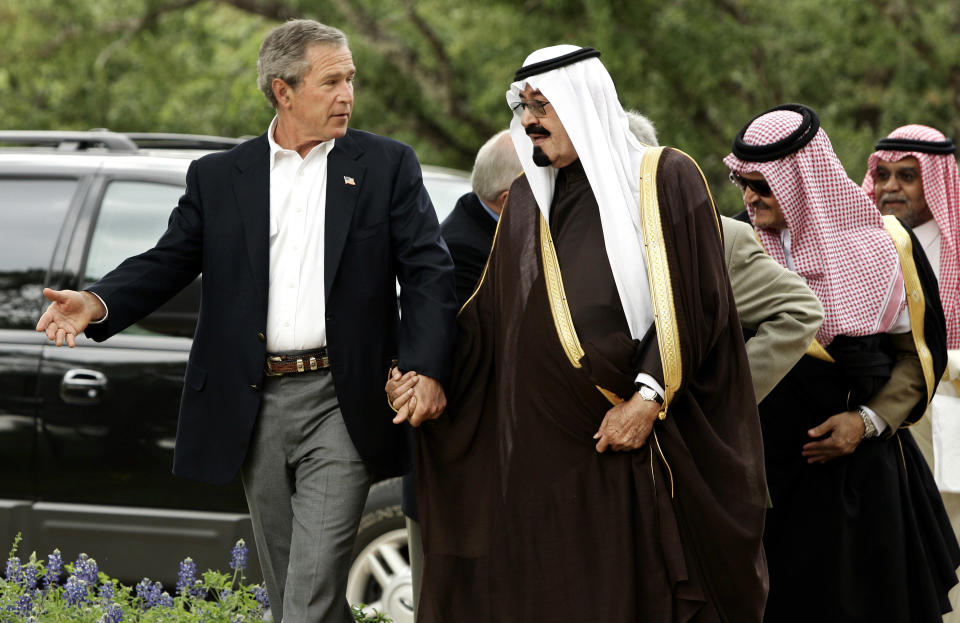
133,215
32,211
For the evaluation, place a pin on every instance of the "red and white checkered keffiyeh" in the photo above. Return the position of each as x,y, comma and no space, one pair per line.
941,190
838,243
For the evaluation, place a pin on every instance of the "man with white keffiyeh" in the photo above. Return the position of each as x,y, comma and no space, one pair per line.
600,458
913,175
857,528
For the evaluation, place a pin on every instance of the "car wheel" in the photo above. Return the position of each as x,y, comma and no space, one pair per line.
380,572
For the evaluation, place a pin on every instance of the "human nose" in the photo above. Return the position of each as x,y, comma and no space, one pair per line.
346,93
527,117
890,184
749,196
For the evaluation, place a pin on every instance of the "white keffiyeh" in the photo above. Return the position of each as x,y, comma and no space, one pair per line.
585,100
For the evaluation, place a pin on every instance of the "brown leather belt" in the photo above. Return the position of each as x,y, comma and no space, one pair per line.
278,364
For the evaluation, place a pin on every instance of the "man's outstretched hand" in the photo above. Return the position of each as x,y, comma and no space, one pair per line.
68,315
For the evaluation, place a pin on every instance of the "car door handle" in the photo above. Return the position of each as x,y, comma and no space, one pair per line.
82,387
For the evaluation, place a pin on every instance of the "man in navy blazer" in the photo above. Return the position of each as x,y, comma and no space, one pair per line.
300,235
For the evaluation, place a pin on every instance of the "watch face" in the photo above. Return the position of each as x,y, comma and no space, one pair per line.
648,393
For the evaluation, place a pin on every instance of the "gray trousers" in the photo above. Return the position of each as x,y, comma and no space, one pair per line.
306,487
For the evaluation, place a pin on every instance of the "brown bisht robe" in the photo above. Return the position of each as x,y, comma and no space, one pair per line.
522,519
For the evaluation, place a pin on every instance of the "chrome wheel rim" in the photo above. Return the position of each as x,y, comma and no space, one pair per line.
380,577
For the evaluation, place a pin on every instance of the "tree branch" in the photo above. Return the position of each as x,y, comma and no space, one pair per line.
133,26
279,11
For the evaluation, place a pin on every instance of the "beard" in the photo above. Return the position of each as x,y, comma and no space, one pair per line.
539,158
906,212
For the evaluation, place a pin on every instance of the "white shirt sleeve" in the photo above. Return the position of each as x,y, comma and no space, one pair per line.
649,381
877,420
104,319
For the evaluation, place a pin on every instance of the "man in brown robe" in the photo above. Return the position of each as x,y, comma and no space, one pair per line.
600,458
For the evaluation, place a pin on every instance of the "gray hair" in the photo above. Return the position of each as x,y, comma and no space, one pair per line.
283,53
642,128
496,166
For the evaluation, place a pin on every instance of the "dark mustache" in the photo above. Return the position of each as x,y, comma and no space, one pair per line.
536,129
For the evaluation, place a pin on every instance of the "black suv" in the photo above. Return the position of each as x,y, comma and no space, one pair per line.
87,434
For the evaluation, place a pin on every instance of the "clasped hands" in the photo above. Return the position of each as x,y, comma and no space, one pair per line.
415,397
626,426
845,434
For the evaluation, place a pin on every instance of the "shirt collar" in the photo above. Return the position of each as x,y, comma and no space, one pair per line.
492,214
275,148
927,233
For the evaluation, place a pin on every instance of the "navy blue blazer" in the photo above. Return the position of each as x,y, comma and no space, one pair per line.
468,232
378,229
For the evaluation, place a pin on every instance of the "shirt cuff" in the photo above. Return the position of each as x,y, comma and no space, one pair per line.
107,313
876,419
649,381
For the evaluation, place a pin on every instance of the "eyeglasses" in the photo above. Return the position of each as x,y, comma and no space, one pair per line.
758,186
536,107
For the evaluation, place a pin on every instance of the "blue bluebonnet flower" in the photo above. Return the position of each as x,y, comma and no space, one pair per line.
30,574
225,593
14,571
54,569
114,614
149,592
75,590
86,569
24,605
165,601
260,594
238,556
106,592
187,576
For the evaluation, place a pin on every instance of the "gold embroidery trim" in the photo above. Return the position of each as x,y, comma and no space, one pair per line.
817,351
558,298
486,265
915,298
716,214
658,274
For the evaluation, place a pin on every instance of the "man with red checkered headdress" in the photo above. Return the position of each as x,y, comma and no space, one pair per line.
857,531
913,175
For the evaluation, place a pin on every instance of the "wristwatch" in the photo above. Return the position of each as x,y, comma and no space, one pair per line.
869,428
648,393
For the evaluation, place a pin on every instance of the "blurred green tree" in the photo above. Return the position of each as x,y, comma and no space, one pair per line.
433,73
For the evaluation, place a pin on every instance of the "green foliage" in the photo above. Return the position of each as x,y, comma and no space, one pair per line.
433,72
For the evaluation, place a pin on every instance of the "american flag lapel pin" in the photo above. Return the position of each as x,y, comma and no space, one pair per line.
349,181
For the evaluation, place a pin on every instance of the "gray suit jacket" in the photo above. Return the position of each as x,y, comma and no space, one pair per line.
771,300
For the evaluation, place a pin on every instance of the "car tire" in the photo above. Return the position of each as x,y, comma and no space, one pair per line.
380,570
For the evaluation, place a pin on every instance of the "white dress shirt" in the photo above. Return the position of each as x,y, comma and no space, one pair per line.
296,309
928,235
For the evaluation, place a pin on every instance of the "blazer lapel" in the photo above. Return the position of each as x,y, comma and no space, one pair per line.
251,188
344,180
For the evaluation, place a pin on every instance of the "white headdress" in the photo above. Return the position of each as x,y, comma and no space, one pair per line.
581,92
